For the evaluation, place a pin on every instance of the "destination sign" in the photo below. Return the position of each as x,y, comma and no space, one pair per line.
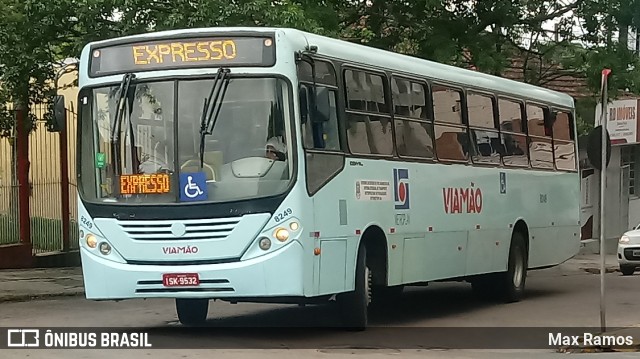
183,53
145,184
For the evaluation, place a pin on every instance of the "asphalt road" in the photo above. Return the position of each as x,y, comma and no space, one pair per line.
557,297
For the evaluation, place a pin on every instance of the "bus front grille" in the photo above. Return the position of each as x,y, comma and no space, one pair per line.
217,228
206,285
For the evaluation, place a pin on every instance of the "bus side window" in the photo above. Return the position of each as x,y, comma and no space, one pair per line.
484,136
540,139
414,128
564,142
368,118
318,112
512,135
450,132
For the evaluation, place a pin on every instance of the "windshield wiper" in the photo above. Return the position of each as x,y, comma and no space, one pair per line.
123,93
212,106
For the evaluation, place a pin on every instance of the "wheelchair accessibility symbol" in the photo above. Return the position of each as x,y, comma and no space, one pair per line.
193,186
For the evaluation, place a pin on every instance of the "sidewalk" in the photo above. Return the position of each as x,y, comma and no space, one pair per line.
28,284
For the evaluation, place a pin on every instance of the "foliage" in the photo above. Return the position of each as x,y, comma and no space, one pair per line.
31,31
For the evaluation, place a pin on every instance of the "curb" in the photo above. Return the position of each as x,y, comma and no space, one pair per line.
634,347
30,297
594,270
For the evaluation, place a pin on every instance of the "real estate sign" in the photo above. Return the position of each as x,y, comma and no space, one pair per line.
622,121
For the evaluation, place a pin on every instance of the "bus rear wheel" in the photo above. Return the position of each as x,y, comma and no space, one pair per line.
192,312
506,286
512,282
354,305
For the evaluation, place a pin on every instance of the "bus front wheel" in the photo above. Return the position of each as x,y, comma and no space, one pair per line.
354,305
192,312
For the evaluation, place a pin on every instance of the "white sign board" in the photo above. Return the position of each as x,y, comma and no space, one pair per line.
622,120
371,190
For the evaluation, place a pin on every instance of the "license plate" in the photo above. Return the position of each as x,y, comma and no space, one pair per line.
180,279
636,253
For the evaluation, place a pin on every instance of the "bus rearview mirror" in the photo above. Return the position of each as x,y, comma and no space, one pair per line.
59,114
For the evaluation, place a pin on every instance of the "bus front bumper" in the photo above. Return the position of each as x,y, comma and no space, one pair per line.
276,274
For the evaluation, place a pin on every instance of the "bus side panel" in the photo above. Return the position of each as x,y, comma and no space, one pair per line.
436,256
333,264
435,232
486,250
555,237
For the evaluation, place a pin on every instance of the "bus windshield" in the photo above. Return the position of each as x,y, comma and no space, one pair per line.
154,154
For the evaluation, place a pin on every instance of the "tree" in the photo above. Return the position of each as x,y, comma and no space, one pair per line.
32,32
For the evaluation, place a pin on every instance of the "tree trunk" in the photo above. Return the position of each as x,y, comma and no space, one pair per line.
623,37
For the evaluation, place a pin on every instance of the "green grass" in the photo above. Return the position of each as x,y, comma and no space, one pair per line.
46,233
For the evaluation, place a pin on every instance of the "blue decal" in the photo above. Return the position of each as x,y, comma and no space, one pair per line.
401,188
193,187
503,183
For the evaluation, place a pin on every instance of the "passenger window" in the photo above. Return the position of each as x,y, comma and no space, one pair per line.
452,140
414,130
480,111
540,149
563,141
513,139
409,99
368,118
484,135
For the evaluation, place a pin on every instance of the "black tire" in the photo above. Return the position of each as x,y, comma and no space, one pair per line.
627,270
512,282
192,312
354,305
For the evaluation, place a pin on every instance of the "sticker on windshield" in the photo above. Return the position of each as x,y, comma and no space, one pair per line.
100,159
193,186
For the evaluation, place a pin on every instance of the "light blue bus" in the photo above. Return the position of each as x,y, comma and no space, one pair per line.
274,165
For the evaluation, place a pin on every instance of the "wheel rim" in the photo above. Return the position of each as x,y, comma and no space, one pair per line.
518,271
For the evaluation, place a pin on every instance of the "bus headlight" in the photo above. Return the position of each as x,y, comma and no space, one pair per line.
294,226
281,234
91,240
105,248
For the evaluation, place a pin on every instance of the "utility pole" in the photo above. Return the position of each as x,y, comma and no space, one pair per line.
603,179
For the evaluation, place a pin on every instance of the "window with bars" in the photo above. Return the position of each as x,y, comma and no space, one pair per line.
629,155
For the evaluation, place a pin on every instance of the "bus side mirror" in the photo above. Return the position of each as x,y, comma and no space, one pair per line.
322,104
59,114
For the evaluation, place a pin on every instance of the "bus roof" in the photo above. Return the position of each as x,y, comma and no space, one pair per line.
373,57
